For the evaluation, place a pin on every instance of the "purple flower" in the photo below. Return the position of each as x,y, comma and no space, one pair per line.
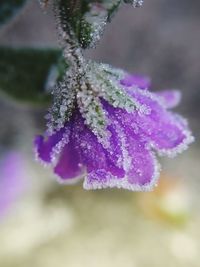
128,160
12,180
143,82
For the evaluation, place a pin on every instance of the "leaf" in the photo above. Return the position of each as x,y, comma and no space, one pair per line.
24,72
8,8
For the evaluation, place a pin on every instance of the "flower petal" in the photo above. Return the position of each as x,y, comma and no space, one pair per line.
44,146
142,174
170,98
143,82
144,169
69,167
13,180
139,164
92,153
164,131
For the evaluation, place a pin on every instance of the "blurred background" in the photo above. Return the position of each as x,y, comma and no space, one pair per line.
44,224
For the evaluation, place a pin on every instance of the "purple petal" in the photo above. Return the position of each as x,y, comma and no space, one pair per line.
93,155
144,169
143,82
12,180
170,98
69,167
44,145
139,164
141,168
164,131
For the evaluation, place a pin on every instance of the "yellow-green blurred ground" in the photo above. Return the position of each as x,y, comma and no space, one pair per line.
61,226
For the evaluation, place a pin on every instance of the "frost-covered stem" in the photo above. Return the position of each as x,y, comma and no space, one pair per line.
73,56
72,52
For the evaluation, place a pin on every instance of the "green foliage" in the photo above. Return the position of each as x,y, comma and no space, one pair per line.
23,73
8,8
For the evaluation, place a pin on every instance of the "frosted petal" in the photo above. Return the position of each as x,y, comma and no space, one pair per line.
44,145
69,166
170,98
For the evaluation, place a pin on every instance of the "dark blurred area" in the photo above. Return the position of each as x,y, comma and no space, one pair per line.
51,225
